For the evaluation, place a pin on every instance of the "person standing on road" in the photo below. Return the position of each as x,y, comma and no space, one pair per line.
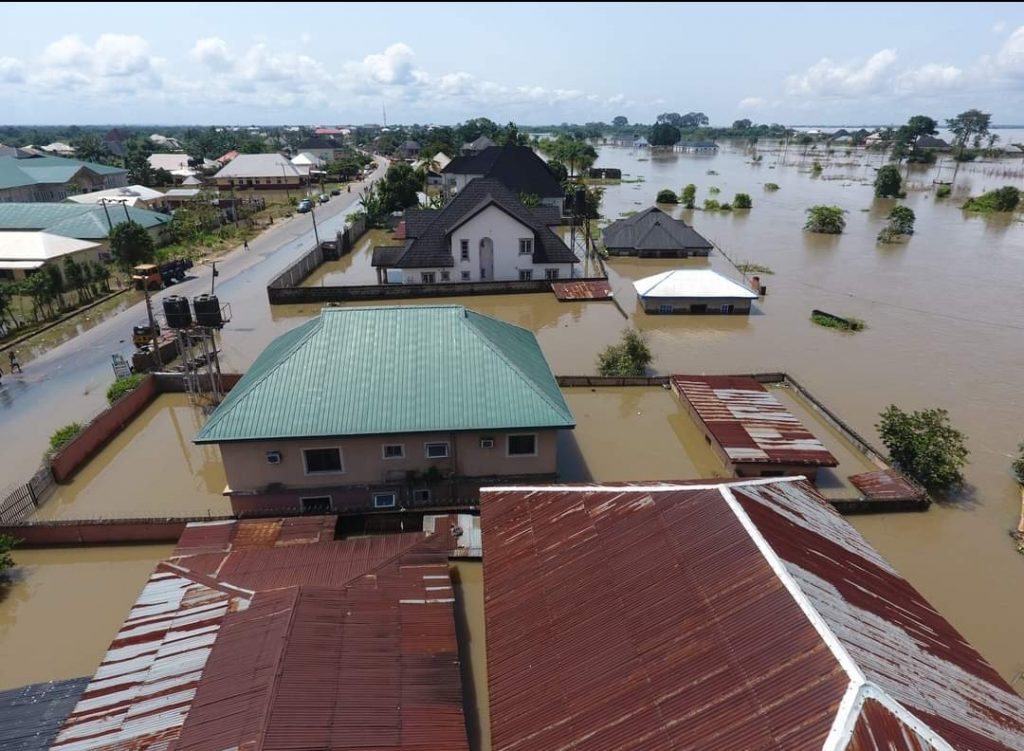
245,245
13,357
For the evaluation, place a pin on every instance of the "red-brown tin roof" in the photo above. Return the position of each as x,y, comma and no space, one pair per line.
749,423
736,615
886,485
271,635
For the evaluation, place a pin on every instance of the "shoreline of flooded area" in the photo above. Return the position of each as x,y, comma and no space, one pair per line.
63,606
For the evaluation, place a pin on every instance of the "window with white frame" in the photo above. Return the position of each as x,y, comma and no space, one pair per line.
550,273
385,500
446,276
465,276
323,461
428,277
522,444
525,275
394,451
464,249
422,495
526,246
435,450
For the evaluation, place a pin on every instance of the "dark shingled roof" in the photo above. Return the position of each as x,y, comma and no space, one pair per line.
653,229
386,255
478,144
517,167
317,143
429,246
31,716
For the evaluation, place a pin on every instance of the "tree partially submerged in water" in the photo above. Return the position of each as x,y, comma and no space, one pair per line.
666,196
901,224
689,195
1018,465
630,357
995,201
826,220
925,446
888,182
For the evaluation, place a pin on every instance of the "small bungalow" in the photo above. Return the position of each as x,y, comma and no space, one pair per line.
693,291
696,147
307,162
484,234
176,164
408,150
138,196
388,408
604,173
260,172
91,222
931,143
22,253
641,143
325,149
26,176
751,431
654,234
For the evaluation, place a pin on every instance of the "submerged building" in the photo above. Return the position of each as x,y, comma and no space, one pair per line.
654,234
694,292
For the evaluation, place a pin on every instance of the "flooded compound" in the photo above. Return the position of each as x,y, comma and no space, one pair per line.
468,582
941,332
151,469
63,606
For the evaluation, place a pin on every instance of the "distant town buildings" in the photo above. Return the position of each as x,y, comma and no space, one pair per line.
388,408
53,178
260,172
484,234
89,221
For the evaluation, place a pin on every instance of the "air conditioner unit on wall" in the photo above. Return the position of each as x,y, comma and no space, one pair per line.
273,457
486,443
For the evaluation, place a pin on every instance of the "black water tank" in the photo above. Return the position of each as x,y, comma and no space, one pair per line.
177,312
208,311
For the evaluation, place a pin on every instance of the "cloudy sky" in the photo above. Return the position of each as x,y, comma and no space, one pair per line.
315,63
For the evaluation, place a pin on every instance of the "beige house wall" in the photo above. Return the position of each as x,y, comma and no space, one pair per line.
248,471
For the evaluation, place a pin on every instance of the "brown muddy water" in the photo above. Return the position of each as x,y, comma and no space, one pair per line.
468,581
944,330
62,608
151,469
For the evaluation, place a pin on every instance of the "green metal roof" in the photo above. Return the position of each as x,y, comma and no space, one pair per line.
387,370
82,221
41,170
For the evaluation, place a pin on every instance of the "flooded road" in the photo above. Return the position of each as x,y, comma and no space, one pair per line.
152,469
468,581
63,607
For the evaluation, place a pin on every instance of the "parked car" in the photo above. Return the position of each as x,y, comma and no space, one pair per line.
305,206
324,198
336,192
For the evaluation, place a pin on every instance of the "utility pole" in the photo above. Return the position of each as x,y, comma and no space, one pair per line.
213,276
312,213
103,203
152,325
285,176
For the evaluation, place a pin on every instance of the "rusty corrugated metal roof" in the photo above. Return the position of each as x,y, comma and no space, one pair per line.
886,485
729,615
270,634
749,423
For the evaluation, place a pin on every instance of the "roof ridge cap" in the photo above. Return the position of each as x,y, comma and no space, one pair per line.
849,713
514,365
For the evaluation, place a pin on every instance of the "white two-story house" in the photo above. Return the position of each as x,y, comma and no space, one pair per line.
484,234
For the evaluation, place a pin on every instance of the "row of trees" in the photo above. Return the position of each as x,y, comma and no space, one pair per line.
53,290
398,190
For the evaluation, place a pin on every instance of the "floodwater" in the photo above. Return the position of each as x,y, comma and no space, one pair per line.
944,330
468,580
63,607
151,469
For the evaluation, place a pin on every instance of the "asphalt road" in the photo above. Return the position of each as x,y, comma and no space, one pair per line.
69,382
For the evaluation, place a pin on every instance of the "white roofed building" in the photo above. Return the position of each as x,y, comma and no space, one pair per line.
25,252
693,291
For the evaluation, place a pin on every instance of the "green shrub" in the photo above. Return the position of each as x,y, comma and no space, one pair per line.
630,357
1018,465
753,268
61,436
925,446
7,544
667,196
842,324
888,181
742,201
816,167
943,191
828,220
1002,200
710,204
124,386
713,191
689,195
771,187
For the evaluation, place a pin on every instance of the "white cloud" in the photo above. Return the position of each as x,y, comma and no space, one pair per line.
12,70
999,27
395,67
929,79
120,55
1010,58
212,52
66,52
751,103
830,79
